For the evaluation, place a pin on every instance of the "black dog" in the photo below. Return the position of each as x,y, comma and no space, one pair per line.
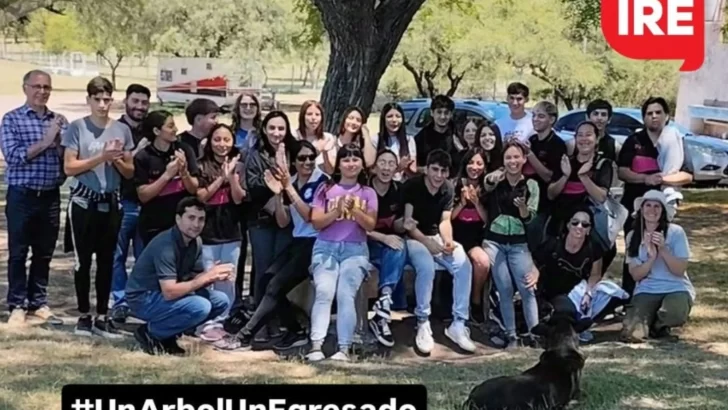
550,384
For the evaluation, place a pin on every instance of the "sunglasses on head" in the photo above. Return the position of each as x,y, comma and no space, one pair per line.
584,224
303,158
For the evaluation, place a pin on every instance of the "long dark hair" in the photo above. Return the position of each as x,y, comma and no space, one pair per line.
496,154
348,150
263,144
236,112
154,120
302,119
401,133
208,155
463,173
359,137
209,165
638,228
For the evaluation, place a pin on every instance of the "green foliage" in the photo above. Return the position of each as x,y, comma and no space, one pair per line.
58,33
440,48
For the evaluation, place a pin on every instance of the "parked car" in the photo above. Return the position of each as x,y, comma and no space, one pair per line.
417,112
706,157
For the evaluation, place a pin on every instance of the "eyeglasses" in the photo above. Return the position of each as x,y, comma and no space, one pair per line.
38,87
303,158
584,224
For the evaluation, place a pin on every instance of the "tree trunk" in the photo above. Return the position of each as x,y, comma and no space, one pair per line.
364,35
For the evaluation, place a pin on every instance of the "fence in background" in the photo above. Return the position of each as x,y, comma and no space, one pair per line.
79,64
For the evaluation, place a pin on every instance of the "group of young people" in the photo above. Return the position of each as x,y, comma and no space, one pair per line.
508,203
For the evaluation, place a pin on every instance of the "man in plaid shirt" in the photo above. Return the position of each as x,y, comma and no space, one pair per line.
31,146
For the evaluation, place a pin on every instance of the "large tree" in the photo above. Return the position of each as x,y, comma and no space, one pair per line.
363,36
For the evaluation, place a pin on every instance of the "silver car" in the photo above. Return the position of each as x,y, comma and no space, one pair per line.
706,157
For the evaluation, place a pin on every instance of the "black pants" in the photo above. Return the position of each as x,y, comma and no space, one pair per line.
266,241
628,282
289,269
93,232
33,219
242,259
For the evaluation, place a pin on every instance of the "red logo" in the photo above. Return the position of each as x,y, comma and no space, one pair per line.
656,30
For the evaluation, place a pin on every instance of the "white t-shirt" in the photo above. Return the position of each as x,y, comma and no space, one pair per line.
393,144
520,129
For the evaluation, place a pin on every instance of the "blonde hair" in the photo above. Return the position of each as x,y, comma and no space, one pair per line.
547,107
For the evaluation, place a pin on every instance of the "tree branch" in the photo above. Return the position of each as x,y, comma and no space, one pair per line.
416,74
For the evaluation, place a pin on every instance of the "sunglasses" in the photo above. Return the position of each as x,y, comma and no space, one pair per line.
303,158
248,105
584,224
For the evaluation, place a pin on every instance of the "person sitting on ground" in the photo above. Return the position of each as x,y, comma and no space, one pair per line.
168,287
344,210
294,196
657,255
571,274
428,208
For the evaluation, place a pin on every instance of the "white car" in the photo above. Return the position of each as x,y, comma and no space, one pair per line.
705,157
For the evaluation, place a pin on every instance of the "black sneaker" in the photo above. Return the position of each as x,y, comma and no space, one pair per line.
103,327
664,334
171,347
148,344
512,342
380,329
262,337
119,314
291,340
84,326
237,321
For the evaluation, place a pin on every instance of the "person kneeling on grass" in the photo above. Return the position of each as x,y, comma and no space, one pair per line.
168,288
657,256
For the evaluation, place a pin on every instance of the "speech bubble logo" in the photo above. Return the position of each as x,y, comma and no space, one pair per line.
656,30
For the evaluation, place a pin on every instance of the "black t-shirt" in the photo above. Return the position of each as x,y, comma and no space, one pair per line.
223,215
607,147
128,189
390,208
159,213
194,143
428,140
549,151
428,208
638,154
468,227
574,194
560,271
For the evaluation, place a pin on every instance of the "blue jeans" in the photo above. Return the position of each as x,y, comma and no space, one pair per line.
169,318
127,232
34,219
338,269
390,262
458,264
511,263
222,253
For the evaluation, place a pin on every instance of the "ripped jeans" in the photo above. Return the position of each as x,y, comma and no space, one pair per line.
338,269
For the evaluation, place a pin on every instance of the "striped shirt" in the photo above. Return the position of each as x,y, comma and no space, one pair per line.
21,128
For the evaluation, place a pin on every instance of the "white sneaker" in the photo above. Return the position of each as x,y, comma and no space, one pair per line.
458,333
340,356
315,356
424,341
